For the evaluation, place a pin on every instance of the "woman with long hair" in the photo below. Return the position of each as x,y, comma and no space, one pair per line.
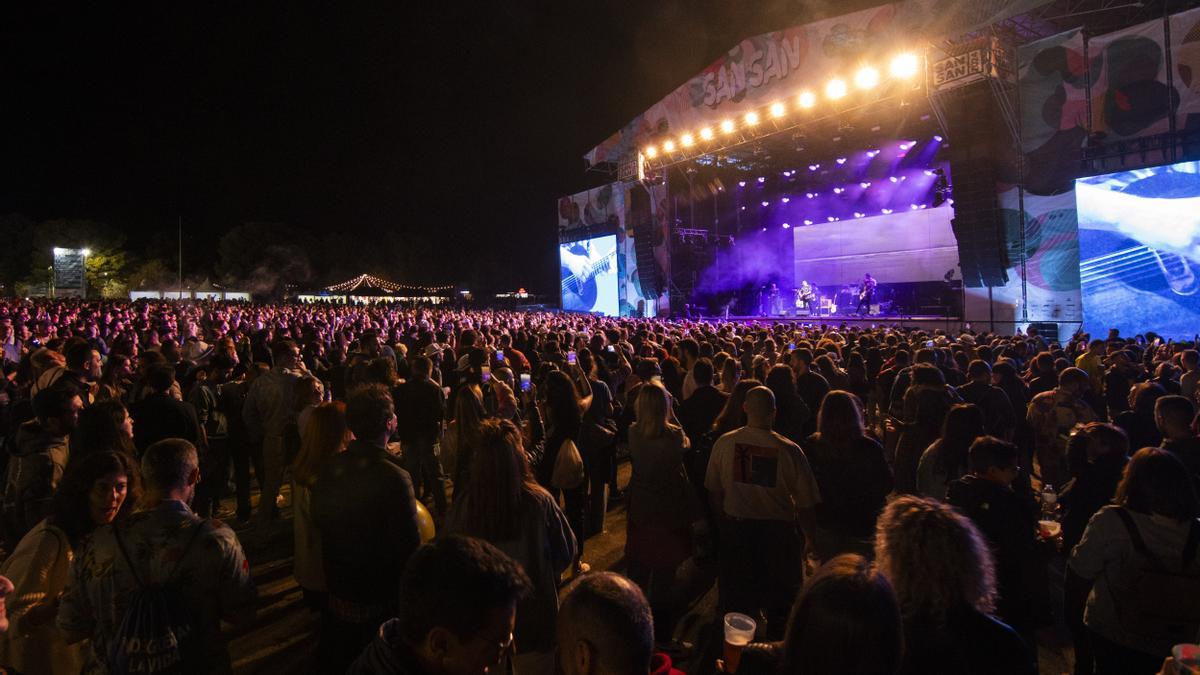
852,474
104,426
95,491
729,375
115,379
943,573
662,503
1130,621
324,436
732,415
564,420
518,516
945,459
462,434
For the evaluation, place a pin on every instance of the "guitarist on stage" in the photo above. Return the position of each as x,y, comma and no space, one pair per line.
867,295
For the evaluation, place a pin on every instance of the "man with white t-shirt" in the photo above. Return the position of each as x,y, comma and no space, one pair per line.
764,494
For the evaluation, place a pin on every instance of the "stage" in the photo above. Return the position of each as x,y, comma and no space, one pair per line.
927,322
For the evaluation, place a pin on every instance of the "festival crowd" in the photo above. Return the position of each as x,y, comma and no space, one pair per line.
870,500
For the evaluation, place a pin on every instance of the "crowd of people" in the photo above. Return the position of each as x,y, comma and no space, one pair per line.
876,500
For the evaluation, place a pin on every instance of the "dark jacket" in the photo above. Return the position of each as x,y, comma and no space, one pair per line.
965,642
159,416
854,483
1009,521
998,414
419,405
35,468
697,413
1092,490
386,654
364,508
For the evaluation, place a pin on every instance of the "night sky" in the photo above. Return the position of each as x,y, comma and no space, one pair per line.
449,126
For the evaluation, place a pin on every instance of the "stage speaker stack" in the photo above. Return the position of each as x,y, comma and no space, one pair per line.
978,144
643,242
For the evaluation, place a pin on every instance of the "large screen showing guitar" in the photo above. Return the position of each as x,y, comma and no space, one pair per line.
588,272
1139,247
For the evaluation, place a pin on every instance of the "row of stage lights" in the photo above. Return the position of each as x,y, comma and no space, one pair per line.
904,66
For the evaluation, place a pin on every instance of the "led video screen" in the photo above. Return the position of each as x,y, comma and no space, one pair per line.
1139,247
588,272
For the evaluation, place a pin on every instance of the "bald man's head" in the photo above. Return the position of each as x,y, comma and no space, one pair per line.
605,626
760,408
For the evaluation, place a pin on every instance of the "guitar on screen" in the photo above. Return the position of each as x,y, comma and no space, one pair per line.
578,273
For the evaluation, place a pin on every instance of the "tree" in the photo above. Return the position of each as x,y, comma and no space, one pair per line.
264,257
106,259
152,274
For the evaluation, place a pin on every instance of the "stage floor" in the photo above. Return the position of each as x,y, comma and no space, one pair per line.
929,322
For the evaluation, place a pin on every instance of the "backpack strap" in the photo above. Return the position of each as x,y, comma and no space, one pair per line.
1139,544
125,554
196,529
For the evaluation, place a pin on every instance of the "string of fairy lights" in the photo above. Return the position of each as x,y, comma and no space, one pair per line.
904,66
352,284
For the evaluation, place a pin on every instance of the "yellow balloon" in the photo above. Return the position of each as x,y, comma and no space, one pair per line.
425,524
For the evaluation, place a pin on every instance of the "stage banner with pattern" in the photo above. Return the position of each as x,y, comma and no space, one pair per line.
1185,60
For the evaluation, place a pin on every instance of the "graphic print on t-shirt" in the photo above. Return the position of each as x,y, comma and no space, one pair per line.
755,464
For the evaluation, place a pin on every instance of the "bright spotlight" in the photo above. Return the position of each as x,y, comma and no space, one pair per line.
807,221
841,160
836,88
727,126
777,110
807,99
669,146
686,140
786,226
706,133
786,200
905,65
766,203
86,251
651,152
59,251
866,78
865,184
751,118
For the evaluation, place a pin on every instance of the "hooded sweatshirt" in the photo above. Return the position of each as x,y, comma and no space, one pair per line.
35,467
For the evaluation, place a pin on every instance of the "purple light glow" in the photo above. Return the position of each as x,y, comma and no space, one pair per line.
841,160
837,190
786,226
807,222
762,179
865,184
914,207
813,167
766,203
831,219
894,179
810,195
786,200
938,139
887,211
741,183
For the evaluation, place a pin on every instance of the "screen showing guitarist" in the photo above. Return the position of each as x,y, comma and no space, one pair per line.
588,272
866,296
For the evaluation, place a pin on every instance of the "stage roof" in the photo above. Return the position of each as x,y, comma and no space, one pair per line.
369,285
779,66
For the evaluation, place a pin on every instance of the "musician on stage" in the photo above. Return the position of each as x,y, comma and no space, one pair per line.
806,297
867,295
